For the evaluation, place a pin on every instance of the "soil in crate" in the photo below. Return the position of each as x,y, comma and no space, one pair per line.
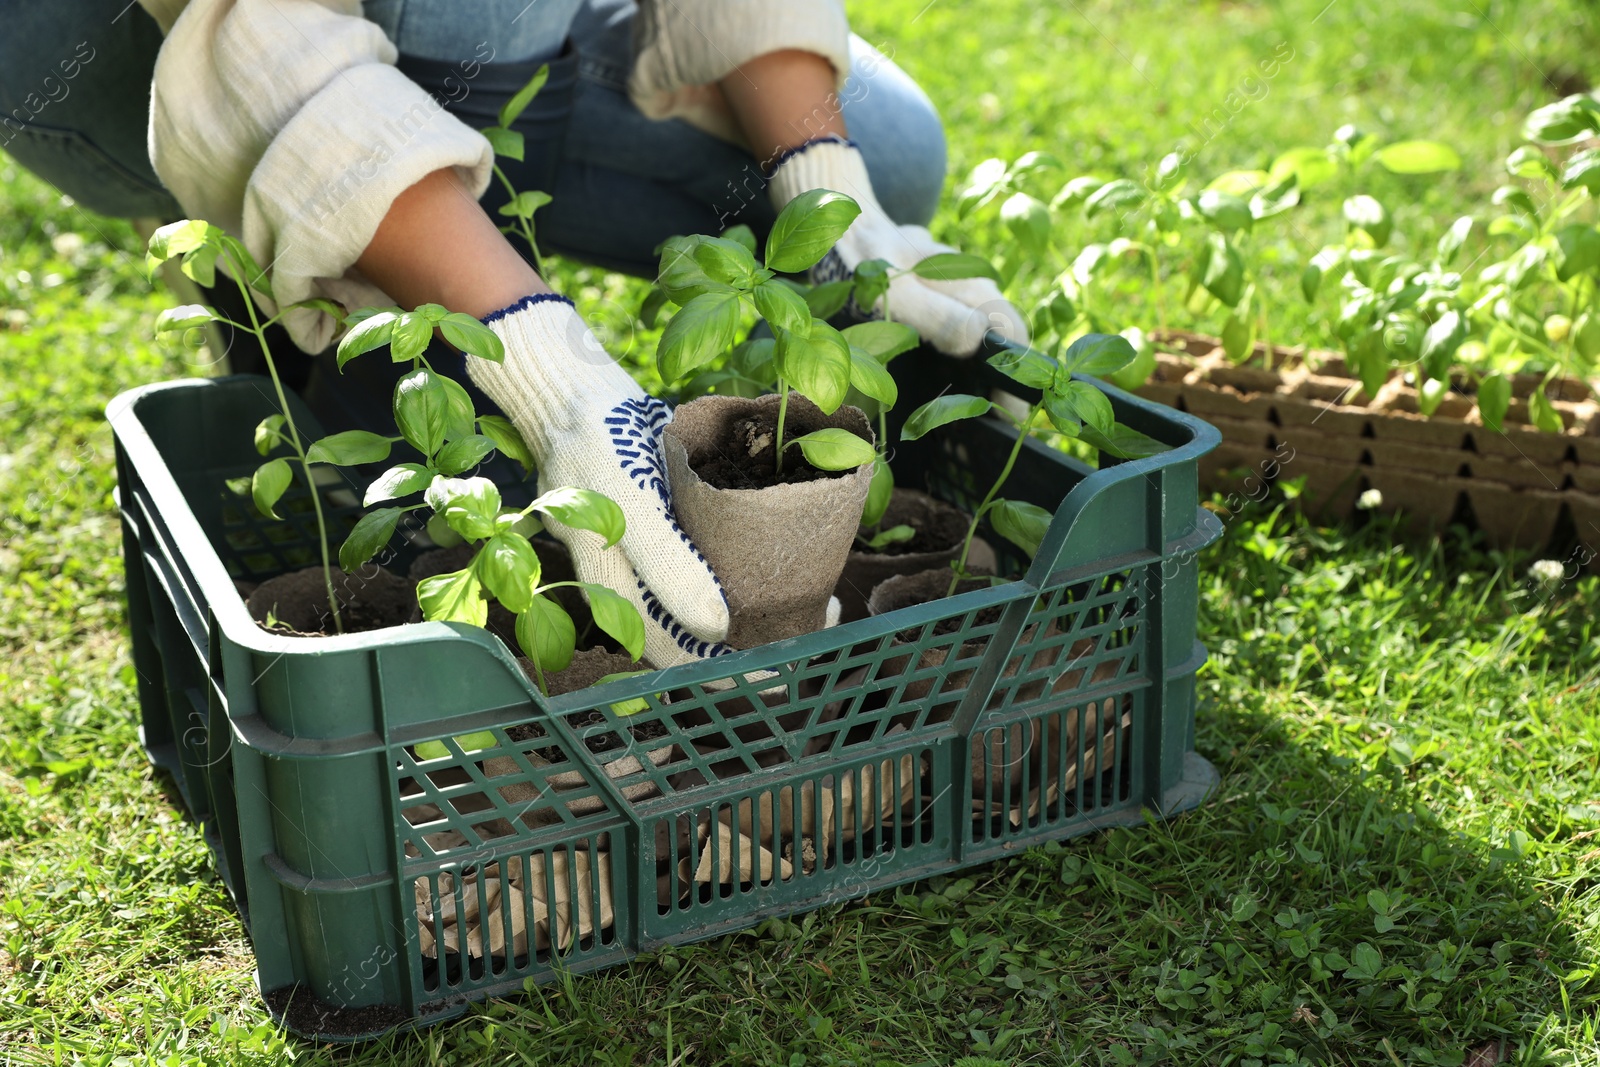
940,531
746,458
370,598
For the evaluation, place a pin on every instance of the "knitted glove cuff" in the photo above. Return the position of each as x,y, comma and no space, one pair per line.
826,163
555,374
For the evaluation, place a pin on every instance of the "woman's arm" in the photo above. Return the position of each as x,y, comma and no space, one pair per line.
437,245
783,99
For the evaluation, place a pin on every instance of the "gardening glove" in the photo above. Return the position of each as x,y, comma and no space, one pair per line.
589,425
952,316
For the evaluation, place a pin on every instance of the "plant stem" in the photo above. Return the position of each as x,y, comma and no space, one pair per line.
299,449
526,225
783,411
1024,428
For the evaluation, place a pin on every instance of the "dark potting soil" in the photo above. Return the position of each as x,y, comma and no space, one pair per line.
927,588
745,458
587,668
304,1013
369,599
939,527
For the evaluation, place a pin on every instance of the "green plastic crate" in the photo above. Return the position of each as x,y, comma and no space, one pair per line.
883,751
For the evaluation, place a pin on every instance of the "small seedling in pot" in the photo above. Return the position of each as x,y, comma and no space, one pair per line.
1074,409
200,246
435,416
712,279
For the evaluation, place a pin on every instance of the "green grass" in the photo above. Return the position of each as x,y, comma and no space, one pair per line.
1400,866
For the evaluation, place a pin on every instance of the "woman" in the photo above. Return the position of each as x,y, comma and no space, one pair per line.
338,139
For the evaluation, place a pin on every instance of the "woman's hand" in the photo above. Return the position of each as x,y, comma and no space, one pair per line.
953,316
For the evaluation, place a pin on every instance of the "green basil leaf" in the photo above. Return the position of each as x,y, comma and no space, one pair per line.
178,238
1440,341
584,509
754,360
953,266
1452,240
724,261
1028,220
507,440
1225,211
617,617
440,534
1364,213
512,109
1097,354
1025,365
249,271
1542,413
880,339
817,365
478,742
807,227
349,448
453,597
422,410
1224,270
469,505
269,433
681,275
1529,162
894,535
267,485
1583,169
402,479
1577,251
371,532
507,144
983,184
742,235
833,449
1083,402
879,493
827,299
1494,400
459,416
546,634
1123,442
1310,166
183,317
200,266
1238,334
1563,122
942,410
1120,195
872,378
463,453
704,329
784,308
371,332
870,282
410,338
1021,523
472,337
509,569
1418,157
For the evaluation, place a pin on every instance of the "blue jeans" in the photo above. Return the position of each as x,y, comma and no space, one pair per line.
621,182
